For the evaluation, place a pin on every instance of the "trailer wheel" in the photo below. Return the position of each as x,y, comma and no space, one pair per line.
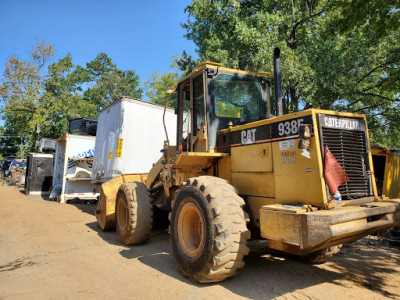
133,213
321,256
208,229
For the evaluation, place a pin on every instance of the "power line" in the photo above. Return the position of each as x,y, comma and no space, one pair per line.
13,136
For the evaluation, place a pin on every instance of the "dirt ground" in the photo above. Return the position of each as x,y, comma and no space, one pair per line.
57,251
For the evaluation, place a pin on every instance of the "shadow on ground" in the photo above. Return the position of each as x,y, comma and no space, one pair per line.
266,276
88,207
43,195
366,262
263,277
109,236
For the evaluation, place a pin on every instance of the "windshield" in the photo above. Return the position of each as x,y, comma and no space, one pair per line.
238,97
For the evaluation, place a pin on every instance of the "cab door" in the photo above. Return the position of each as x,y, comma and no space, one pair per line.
192,120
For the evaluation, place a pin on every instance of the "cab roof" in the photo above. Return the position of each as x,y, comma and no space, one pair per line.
218,66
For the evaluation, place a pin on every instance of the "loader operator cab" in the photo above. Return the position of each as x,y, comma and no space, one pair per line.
212,97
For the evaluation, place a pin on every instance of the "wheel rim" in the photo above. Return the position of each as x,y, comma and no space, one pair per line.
191,231
122,214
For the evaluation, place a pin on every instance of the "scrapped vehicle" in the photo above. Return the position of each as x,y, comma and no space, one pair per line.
4,166
15,175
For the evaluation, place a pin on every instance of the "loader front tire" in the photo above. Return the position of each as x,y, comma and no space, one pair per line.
321,256
133,213
208,229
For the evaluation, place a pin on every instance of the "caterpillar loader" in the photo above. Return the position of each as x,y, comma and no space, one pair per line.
242,170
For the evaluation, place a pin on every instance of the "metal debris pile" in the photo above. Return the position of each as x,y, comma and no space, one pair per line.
15,175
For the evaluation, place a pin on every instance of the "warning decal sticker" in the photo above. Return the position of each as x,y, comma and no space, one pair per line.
118,152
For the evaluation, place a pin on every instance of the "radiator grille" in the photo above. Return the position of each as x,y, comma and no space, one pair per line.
349,149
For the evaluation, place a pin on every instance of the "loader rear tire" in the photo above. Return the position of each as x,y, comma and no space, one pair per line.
321,256
208,229
133,213
106,222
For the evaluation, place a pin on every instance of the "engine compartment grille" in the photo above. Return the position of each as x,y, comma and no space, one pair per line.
350,150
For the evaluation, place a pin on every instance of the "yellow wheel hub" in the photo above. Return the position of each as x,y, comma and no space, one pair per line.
191,230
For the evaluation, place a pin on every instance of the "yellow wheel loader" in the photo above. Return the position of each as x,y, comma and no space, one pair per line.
238,172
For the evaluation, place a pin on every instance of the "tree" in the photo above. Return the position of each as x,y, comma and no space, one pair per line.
37,101
184,63
347,70
243,34
106,82
64,93
40,97
22,91
157,86
382,16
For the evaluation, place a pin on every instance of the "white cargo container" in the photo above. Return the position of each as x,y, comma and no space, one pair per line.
130,135
73,167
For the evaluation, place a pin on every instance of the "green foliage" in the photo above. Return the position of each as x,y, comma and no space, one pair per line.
157,86
107,83
348,67
64,96
185,63
382,16
1,133
22,91
11,144
39,97
22,151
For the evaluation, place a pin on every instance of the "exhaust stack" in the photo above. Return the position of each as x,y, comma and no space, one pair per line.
277,81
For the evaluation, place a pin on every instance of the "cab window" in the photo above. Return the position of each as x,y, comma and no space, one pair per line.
238,97
198,104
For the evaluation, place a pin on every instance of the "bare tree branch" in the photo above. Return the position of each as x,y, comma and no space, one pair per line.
291,41
374,69
377,96
21,110
363,108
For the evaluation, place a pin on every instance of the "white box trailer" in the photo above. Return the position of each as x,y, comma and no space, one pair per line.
73,164
130,135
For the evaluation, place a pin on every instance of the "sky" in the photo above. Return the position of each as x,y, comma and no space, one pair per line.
138,35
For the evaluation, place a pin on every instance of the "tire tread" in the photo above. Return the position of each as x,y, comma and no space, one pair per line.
140,210
231,233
